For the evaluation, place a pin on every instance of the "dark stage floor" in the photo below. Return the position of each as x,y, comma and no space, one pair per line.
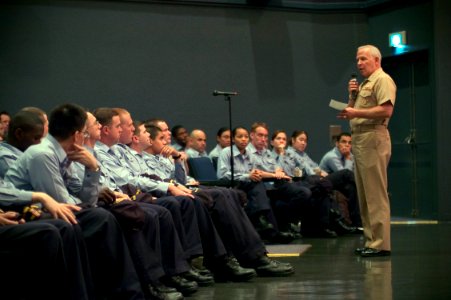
419,268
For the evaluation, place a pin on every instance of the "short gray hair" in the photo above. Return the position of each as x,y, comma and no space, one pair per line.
373,50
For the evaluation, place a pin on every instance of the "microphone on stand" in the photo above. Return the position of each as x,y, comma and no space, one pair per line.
220,93
229,99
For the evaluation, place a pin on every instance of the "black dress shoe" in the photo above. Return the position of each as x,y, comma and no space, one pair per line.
357,230
341,228
328,233
263,224
230,270
359,251
266,267
159,291
295,228
281,238
202,280
197,264
371,252
202,270
186,287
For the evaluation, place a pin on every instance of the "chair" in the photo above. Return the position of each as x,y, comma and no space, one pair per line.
203,170
215,162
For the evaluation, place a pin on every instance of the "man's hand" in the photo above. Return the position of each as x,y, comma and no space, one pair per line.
121,197
175,191
348,113
57,210
255,175
83,156
353,88
184,189
280,174
168,151
107,196
10,218
193,183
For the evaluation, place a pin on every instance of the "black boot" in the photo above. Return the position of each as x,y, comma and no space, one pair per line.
228,269
202,280
184,286
262,224
338,224
158,291
264,266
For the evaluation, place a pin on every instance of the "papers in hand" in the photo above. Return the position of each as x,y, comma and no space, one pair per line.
337,105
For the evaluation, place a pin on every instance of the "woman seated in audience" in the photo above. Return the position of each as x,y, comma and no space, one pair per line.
222,141
249,179
320,218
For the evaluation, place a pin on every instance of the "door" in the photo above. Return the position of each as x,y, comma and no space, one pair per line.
411,178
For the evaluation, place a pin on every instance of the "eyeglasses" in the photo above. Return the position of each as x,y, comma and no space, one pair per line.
96,123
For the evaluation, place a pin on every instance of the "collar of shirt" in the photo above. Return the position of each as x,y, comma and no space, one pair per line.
252,150
237,153
60,153
4,147
374,75
338,153
91,150
99,146
300,153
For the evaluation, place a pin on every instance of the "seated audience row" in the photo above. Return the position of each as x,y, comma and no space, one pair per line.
307,199
140,229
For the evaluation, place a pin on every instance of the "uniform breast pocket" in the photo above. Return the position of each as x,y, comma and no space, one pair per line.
366,93
366,98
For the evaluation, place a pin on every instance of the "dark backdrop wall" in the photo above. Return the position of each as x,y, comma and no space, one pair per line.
162,60
165,61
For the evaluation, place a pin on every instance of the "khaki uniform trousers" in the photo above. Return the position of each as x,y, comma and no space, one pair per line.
371,146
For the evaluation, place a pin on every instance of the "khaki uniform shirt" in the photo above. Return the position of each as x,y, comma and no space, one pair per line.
375,90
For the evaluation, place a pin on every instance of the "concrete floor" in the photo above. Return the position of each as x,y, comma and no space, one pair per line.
419,268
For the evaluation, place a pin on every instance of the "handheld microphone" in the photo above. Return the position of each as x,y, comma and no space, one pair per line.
220,93
354,92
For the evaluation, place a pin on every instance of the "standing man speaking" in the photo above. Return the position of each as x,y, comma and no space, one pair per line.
369,110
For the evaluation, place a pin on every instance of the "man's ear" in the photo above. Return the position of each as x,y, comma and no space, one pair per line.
377,60
104,130
18,134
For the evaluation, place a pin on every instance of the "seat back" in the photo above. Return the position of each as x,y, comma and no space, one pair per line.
202,169
215,162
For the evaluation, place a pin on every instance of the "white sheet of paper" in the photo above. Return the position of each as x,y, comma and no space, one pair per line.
337,104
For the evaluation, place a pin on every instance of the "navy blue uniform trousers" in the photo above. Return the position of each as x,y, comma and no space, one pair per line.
51,245
114,275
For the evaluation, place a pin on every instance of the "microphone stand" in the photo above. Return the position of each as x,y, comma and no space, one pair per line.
228,99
